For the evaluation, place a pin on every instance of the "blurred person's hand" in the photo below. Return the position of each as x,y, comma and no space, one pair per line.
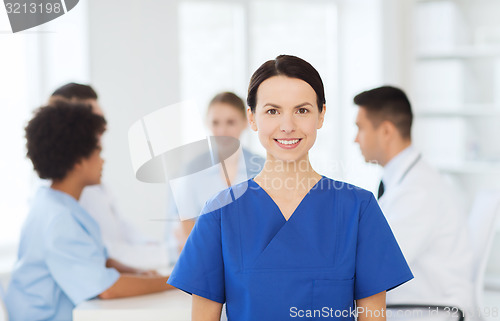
148,273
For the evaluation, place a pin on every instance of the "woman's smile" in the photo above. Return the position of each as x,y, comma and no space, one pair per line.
288,143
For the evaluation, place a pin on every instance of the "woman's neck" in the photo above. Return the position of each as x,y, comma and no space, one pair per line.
69,187
287,175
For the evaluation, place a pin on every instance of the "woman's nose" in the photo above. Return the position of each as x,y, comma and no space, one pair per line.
287,124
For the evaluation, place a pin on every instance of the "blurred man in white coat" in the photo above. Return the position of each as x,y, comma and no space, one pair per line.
429,224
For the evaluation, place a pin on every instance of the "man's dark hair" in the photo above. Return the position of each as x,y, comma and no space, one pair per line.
387,104
60,135
289,66
74,90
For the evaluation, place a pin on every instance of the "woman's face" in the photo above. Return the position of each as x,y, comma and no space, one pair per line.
286,118
92,167
225,120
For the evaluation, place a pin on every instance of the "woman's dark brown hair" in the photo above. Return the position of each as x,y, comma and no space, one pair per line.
289,66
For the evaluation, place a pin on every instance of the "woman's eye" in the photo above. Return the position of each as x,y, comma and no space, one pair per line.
272,111
303,110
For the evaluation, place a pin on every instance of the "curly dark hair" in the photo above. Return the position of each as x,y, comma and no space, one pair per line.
60,135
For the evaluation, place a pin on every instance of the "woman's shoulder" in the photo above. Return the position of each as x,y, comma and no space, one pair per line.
52,202
226,197
348,200
345,190
50,207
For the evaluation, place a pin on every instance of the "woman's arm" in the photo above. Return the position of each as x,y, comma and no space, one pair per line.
122,268
372,308
134,282
205,309
132,285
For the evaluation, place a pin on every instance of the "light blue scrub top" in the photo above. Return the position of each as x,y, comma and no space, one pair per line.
336,248
61,260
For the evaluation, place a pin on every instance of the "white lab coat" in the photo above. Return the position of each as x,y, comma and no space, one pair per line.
430,227
123,242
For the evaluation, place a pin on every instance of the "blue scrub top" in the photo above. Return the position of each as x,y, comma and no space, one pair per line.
198,194
335,248
61,260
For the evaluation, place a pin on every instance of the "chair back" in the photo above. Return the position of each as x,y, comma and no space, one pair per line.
423,312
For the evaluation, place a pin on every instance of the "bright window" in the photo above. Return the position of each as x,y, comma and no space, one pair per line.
32,64
223,42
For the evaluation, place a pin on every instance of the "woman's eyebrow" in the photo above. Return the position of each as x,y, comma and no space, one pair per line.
302,105
272,105
278,106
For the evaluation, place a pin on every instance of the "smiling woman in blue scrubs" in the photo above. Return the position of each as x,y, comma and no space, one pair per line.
294,243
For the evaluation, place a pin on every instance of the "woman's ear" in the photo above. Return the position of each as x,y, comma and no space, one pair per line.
78,167
251,119
322,117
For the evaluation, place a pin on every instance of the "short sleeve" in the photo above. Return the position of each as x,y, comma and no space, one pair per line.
380,264
76,261
200,268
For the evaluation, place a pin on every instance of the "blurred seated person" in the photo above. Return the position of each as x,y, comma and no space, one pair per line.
62,260
122,240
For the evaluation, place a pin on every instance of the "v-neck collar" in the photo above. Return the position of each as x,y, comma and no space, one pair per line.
298,206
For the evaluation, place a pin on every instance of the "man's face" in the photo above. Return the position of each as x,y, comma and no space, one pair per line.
368,137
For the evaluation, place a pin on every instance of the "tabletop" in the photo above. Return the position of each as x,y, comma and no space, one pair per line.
168,305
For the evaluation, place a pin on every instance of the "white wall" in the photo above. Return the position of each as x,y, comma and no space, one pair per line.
32,64
360,64
134,67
